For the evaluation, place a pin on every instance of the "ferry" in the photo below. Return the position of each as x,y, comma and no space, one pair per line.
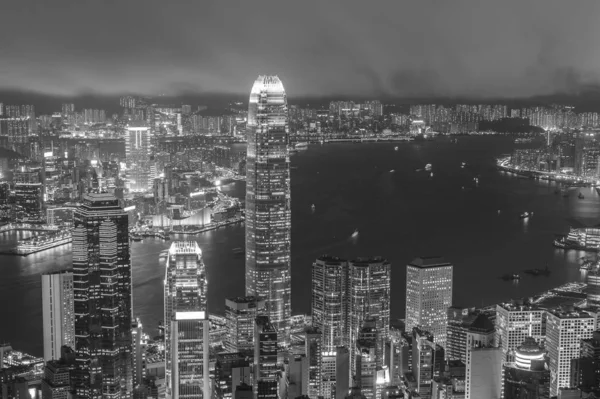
396,148
301,146
584,239
525,215
428,167
508,277
42,242
537,272
313,207
463,164
355,234
392,171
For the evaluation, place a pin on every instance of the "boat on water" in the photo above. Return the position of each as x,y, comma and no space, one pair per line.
355,234
509,277
586,264
538,272
392,171
301,146
135,237
583,239
525,215
313,207
463,164
396,148
580,196
428,167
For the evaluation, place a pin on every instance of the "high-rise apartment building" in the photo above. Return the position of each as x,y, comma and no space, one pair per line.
428,296
565,329
58,313
186,323
102,295
268,212
427,361
329,300
265,359
516,321
240,314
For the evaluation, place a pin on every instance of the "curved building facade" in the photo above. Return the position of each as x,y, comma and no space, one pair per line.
268,212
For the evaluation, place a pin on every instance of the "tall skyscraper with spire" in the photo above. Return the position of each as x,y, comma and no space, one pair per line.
102,299
268,212
186,323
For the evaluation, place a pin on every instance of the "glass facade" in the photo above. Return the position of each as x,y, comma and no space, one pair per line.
329,307
369,297
186,322
268,214
240,314
102,299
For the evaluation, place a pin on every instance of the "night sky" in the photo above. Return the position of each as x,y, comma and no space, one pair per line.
328,48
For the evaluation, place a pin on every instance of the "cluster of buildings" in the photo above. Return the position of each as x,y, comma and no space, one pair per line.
95,348
572,152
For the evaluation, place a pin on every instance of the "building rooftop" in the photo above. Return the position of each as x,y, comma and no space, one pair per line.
330,259
368,260
429,261
568,313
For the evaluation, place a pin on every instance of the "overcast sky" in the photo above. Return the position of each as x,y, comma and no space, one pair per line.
366,48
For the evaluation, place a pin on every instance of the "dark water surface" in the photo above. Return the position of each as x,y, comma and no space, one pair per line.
400,215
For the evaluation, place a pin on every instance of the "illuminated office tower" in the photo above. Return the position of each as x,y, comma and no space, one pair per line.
29,194
428,296
265,359
427,360
58,313
516,321
314,354
268,213
137,143
102,293
367,358
329,305
186,323
240,314
565,329
369,297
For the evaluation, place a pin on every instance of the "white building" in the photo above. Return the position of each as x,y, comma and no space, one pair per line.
57,313
564,332
428,296
483,378
515,322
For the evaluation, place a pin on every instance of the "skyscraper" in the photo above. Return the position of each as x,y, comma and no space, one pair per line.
516,321
265,358
314,354
329,300
428,296
186,323
564,331
369,297
268,213
102,291
240,314
58,313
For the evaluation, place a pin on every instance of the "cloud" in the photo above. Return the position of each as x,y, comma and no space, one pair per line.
319,48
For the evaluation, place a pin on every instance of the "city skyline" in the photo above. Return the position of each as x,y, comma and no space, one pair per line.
479,51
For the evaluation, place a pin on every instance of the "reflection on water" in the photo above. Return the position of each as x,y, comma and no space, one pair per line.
401,216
